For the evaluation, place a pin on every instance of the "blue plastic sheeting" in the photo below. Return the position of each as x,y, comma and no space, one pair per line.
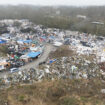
27,41
2,41
51,37
33,54
43,37
51,61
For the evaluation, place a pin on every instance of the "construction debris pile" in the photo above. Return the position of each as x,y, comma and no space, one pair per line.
83,58
25,41
86,44
61,68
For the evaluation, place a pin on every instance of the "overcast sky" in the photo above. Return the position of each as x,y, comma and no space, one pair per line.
54,2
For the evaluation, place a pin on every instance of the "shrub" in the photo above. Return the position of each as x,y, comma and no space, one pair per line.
23,98
68,101
54,93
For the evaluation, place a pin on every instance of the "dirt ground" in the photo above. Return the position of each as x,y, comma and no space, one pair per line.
57,92
62,51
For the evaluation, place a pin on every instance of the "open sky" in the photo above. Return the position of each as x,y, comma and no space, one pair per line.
54,2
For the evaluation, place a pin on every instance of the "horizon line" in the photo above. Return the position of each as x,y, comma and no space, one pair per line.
52,5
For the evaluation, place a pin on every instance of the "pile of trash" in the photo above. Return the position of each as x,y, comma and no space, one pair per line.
74,67
26,43
86,44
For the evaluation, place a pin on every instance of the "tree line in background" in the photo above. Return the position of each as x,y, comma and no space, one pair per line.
62,17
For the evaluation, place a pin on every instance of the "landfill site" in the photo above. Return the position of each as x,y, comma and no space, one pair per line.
34,52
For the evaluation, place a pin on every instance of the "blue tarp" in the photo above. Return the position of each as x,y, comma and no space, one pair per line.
33,54
27,41
51,37
51,61
2,41
44,37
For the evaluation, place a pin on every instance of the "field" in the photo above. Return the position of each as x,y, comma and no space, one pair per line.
57,92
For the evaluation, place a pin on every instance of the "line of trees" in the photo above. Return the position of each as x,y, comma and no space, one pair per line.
62,17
